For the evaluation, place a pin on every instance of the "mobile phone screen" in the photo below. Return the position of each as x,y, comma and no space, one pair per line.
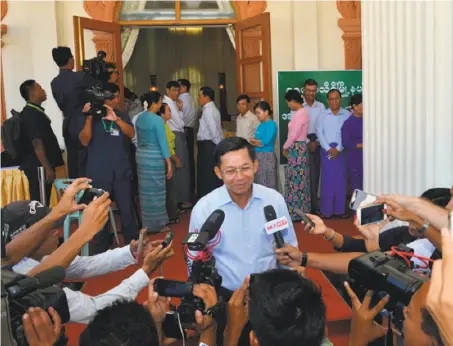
360,198
372,214
172,288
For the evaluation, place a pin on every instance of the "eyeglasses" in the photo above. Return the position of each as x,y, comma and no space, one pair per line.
231,172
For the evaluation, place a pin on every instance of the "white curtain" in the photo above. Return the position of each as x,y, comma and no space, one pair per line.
129,36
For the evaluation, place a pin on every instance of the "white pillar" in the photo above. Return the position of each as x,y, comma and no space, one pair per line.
408,95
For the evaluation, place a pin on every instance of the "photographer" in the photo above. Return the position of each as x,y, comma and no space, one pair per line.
132,324
67,90
108,140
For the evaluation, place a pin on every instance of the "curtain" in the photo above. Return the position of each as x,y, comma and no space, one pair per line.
129,36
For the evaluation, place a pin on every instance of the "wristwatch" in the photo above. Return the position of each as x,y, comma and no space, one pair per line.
423,228
304,259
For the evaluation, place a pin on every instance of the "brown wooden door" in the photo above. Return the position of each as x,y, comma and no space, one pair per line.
92,35
253,57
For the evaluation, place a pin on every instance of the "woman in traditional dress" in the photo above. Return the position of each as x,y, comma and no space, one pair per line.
352,140
297,180
264,141
153,158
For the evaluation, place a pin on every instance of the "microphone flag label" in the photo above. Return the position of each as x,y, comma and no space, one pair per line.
276,225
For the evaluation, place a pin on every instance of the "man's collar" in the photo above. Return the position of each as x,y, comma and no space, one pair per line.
340,112
208,104
247,114
32,104
225,198
167,98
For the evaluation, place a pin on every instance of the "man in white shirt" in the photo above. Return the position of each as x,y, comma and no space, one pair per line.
210,134
176,124
247,121
189,111
314,109
82,307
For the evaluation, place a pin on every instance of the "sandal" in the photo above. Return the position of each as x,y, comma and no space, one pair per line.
173,221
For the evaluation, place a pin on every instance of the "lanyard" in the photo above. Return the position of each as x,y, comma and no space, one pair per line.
38,109
105,126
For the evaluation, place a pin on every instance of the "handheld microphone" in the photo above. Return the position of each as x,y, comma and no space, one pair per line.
198,241
274,225
49,277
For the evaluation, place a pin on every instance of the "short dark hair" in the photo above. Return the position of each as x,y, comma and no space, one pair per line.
61,55
25,89
332,91
232,144
286,309
243,97
112,87
150,98
355,100
123,323
294,95
209,92
264,106
172,84
162,109
184,82
310,81
438,196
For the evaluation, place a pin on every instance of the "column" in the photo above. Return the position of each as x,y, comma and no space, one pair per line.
408,95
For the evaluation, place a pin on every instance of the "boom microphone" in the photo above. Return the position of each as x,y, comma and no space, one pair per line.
198,241
47,278
274,225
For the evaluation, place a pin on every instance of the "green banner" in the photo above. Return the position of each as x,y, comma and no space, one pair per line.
349,82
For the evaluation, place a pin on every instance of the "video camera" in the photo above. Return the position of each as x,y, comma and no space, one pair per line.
98,69
19,293
386,274
202,270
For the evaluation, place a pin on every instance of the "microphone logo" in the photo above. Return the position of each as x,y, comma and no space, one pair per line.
276,225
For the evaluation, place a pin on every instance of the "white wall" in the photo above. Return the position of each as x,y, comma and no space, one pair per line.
27,54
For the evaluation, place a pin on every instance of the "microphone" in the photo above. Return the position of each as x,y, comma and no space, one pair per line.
198,241
274,225
49,277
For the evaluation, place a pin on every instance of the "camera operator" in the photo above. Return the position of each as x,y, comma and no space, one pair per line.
39,329
67,90
239,254
132,324
108,161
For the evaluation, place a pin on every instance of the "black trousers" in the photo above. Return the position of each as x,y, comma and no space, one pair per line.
315,171
207,180
120,192
190,139
33,181
76,157
221,320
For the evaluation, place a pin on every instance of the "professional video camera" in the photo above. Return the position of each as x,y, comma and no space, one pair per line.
20,292
202,270
97,67
387,274
96,97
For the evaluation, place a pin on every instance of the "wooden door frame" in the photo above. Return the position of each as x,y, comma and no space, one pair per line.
82,23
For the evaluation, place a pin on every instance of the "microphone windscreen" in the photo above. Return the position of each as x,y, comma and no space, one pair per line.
213,223
50,276
269,213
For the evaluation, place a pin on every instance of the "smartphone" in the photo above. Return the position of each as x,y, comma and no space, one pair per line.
372,214
172,327
89,194
172,288
360,198
167,240
304,217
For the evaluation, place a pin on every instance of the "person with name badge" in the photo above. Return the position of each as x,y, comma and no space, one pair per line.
246,240
108,162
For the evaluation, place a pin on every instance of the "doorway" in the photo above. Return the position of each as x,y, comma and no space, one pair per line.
204,55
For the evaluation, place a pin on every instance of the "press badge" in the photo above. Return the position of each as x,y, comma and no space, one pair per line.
115,132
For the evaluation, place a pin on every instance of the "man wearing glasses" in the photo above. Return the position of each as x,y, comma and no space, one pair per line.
243,247
314,109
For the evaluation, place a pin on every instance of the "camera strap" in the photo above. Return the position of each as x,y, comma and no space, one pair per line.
38,109
105,126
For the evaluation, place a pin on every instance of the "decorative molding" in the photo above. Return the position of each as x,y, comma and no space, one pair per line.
351,24
101,10
248,9
4,30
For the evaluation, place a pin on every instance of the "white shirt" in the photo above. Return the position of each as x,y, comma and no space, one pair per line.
313,112
246,125
189,110
210,124
134,121
176,123
82,307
